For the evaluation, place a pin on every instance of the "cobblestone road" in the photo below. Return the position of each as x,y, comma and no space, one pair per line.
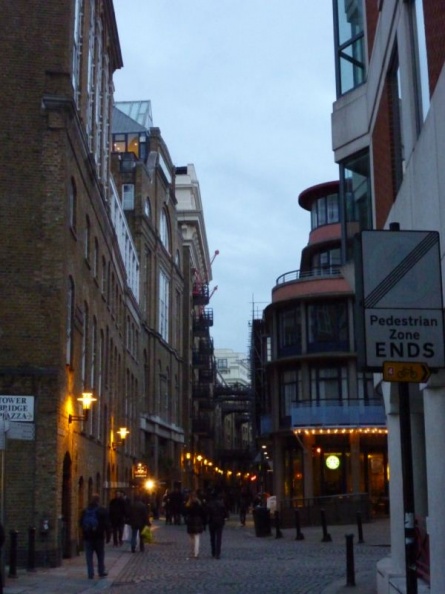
251,564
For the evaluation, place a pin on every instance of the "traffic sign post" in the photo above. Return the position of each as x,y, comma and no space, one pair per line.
400,322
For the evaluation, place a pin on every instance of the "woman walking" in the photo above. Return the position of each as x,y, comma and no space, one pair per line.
195,519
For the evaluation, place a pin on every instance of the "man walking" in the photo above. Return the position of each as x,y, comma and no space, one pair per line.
95,526
117,517
216,517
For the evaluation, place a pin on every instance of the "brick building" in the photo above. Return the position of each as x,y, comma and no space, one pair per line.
94,283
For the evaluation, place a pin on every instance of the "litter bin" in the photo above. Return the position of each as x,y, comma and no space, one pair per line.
261,520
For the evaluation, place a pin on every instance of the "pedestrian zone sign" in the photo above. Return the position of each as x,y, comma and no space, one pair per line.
399,293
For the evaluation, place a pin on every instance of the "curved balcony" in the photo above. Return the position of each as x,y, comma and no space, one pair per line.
310,283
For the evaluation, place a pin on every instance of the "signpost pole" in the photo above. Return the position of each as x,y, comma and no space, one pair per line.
408,488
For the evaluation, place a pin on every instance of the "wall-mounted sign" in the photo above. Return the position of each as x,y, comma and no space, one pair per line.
17,408
399,293
140,471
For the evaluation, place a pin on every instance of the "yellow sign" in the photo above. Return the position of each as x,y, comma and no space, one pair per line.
395,371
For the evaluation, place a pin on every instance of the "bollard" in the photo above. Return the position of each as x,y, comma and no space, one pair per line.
350,571
300,535
31,549
278,533
360,527
13,554
326,536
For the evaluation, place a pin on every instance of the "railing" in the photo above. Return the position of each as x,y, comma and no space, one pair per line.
341,508
201,295
203,321
296,275
356,412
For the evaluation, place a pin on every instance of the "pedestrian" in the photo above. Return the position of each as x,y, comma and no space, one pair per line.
176,504
243,506
195,519
138,519
116,510
216,516
95,525
167,507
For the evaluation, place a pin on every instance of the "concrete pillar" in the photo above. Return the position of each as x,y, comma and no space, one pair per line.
434,405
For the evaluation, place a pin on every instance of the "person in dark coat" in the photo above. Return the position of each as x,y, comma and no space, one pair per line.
117,513
216,516
137,518
176,504
195,519
94,539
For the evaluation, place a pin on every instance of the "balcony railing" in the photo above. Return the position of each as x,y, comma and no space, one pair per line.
202,321
295,275
201,360
330,413
201,295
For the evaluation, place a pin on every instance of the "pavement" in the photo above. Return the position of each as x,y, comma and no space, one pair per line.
273,564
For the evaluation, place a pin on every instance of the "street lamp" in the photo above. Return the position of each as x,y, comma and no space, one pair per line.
86,399
122,432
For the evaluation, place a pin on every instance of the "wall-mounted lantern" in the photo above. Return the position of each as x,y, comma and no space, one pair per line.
87,400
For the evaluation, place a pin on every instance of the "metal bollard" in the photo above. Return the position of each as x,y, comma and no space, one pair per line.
360,527
278,533
300,535
31,549
13,554
350,571
326,537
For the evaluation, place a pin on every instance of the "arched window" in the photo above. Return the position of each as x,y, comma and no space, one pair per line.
165,231
70,322
72,198
147,207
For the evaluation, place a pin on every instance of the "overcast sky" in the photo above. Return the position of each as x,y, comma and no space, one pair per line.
243,89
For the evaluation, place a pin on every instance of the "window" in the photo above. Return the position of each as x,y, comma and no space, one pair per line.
164,230
222,364
395,114
87,239
356,190
326,261
327,327
77,48
289,332
290,389
349,43
164,295
365,386
329,384
96,258
70,322
422,61
72,199
128,196
85,345
325,210
147,208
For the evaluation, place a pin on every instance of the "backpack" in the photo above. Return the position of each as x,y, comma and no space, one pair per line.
90,521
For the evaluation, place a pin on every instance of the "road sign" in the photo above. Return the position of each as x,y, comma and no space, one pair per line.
400,295
395,371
